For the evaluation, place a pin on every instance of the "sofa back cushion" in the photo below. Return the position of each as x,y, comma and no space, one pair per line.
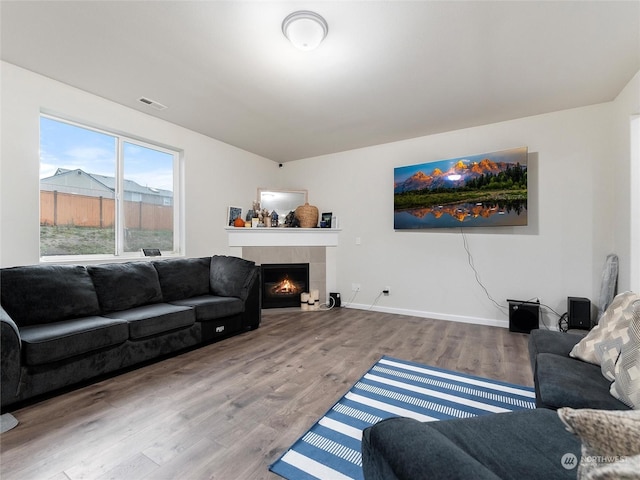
182,278
47,293
231,276
121,286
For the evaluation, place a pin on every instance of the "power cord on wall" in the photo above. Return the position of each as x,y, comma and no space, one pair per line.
562,319
502,308
376,300
353,297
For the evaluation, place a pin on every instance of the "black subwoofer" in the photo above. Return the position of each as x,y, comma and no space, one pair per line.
523,316
579,312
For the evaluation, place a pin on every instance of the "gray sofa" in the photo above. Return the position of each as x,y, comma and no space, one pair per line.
563,381
526,444
518,445
65,324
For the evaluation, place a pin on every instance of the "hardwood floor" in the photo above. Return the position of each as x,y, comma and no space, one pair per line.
228,410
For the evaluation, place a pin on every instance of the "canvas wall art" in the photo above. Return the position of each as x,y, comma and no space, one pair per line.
485,190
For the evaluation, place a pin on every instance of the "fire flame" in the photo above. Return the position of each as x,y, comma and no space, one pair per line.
285,287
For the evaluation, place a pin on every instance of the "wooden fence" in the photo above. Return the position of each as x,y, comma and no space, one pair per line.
68,209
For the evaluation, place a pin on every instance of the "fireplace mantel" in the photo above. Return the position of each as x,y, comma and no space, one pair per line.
282,237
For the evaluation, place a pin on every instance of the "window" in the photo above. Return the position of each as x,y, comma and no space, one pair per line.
103,193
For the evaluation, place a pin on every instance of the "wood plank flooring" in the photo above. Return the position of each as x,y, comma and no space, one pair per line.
228,410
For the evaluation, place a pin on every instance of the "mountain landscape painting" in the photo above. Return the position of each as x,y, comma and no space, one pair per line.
484,190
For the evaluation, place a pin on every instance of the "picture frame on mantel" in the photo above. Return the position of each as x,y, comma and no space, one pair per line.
232,214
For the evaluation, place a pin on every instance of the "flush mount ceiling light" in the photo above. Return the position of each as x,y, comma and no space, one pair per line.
305,29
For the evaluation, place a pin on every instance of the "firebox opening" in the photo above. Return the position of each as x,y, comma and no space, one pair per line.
282,284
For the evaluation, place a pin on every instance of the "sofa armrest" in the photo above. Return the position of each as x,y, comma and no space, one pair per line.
252,314
10,354
405,449
231,276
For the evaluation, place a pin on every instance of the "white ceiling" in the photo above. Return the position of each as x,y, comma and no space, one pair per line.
388,70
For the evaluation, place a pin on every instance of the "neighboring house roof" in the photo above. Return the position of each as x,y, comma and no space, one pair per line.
108,182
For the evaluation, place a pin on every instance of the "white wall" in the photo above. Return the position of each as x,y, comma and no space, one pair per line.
561,253
216,174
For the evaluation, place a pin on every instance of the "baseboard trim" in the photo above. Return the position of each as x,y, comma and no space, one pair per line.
436,316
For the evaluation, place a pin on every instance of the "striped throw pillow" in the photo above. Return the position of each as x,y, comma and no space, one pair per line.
610,333
626,386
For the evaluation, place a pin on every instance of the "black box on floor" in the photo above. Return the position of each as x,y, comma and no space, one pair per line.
335,300
523,316
579,312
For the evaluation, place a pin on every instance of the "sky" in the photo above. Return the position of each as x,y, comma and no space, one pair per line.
63,145
400,174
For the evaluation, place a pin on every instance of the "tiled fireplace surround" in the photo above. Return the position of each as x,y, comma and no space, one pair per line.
314,256
315,246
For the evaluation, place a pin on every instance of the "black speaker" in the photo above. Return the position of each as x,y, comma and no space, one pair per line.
335,300
579,312
523,316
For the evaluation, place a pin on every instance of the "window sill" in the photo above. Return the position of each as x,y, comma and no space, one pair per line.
89,259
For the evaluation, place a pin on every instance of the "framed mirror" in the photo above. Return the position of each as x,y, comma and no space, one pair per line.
282,201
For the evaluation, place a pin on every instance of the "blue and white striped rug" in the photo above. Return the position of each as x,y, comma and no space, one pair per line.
392,388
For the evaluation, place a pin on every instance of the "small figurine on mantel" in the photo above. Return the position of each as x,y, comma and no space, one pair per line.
291,220
264,218
274,219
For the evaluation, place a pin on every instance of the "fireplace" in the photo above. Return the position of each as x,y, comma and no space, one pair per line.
282,284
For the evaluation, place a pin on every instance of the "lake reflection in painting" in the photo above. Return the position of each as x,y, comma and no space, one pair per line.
459,215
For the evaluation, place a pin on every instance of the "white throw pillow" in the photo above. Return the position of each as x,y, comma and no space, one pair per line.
626,386
604,341
610,441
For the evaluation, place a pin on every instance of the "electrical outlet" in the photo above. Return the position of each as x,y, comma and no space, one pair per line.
386,291
355,287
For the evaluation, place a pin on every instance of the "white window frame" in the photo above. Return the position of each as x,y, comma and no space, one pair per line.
178,214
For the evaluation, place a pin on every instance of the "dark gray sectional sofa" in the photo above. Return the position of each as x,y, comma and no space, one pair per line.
65,324
529,444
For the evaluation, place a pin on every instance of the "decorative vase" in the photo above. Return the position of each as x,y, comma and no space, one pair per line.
307,215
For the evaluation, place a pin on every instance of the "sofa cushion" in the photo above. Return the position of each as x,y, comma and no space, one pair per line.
151,320
626,386
526,444
566,382
38,294
67,338
231,276
607,437
210,307
548,341
183,277
606,338
121,286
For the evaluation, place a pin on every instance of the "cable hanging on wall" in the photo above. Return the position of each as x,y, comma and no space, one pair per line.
500,307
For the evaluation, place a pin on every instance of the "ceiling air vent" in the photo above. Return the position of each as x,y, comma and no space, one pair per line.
152,103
